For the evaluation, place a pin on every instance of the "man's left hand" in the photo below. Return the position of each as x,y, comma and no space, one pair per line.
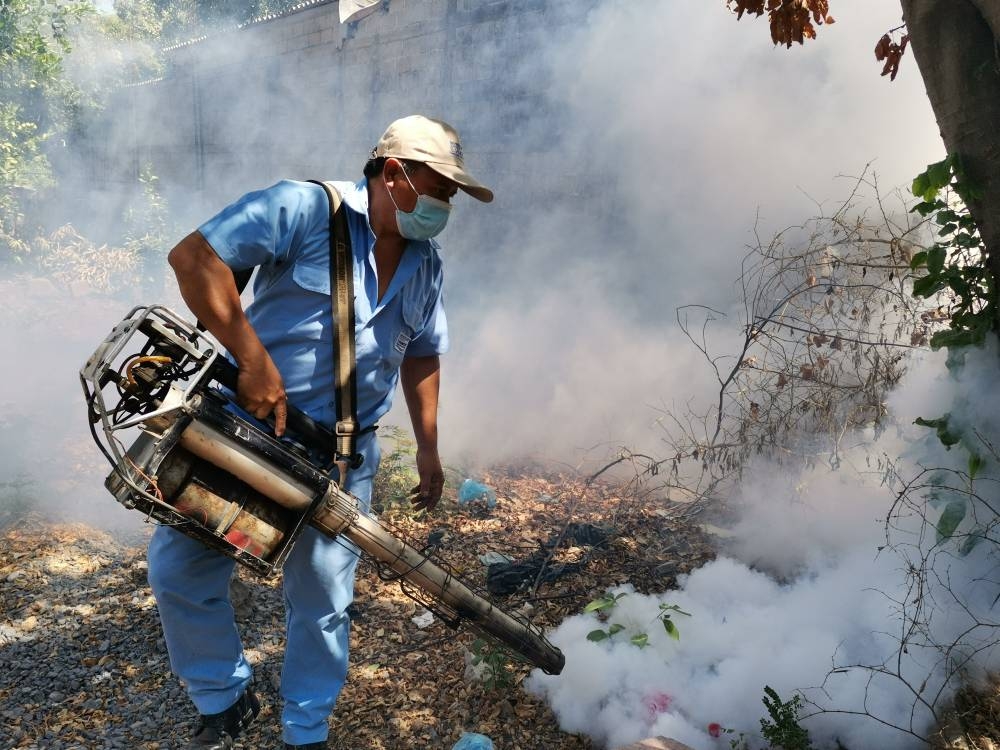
425,496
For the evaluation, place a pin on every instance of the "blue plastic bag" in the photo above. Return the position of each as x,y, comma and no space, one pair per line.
473,741
472,491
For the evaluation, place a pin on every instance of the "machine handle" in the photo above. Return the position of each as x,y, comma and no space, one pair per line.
297,421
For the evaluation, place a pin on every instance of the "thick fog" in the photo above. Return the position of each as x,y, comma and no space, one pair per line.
654,141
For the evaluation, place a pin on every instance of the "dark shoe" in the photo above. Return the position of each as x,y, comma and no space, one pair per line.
311,746
218,731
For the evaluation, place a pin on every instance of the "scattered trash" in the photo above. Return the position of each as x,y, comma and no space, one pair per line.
423,620
717,531
504,578
473,741
656,704
492,558
472,491
435,538
587,533
475,669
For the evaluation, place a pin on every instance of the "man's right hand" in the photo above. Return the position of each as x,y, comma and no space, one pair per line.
260,390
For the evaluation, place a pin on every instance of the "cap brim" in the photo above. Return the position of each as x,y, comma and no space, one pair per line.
466,182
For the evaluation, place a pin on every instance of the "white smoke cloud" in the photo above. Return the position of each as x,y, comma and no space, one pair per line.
832,630
701,129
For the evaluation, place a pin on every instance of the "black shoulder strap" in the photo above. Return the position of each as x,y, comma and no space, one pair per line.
342,293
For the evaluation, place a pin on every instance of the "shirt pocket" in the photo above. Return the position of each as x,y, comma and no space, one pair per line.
311,277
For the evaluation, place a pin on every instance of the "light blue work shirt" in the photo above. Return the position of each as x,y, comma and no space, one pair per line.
285,230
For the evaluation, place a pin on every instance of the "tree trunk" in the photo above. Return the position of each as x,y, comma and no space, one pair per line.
955,43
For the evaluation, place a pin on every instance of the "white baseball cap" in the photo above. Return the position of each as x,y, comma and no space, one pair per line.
435,144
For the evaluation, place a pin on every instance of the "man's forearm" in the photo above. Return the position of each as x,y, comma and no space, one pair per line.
421,381
209,289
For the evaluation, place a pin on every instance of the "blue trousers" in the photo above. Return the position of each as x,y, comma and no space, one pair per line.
191,586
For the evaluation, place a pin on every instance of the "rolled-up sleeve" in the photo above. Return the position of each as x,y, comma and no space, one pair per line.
266,226
433,339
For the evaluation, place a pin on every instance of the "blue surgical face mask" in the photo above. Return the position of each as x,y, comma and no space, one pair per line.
427,218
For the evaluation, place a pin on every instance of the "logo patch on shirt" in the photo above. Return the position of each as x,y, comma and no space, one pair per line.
402,341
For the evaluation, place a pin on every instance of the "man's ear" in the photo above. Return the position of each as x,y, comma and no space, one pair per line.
392,171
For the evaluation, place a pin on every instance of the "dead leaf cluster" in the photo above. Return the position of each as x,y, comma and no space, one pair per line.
891,52
790,20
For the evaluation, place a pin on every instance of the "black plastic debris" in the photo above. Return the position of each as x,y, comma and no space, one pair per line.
503,579
587,534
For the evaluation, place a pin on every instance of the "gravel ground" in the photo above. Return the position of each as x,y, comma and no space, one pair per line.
83,663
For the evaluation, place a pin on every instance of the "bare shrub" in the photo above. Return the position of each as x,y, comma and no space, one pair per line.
69,258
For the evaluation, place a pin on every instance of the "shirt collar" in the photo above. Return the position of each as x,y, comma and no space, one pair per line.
356,198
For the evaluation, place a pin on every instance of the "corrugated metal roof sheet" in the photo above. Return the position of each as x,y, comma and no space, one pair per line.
298,8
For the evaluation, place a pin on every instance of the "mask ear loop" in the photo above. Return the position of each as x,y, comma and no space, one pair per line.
402,168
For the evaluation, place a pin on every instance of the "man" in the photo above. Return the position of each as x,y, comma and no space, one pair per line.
283,347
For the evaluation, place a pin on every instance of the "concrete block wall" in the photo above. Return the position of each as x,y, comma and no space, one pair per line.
306,96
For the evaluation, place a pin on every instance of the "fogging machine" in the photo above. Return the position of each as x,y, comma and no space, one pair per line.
159,385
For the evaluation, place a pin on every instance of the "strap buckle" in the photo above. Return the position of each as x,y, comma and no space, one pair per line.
347,432
346,428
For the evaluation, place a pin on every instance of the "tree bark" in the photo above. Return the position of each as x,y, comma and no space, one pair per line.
955,43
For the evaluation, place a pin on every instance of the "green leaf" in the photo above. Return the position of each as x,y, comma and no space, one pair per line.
936,257
944,432
920,185
671,628
939,175
956,338
950,518
597,636
926,207
972,539
919,259
615,628
975,464
639,639
967,191
599,605
674,608
928,286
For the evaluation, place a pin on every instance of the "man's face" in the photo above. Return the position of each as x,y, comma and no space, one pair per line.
422,180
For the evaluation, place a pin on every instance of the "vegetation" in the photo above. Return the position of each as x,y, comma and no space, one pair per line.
493,663
955,264
603,605
167,21
397,472
59,60
954,43
37,102
782,729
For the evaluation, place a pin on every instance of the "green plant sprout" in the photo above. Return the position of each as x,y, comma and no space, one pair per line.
783,729
666,610
606,603
497,673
